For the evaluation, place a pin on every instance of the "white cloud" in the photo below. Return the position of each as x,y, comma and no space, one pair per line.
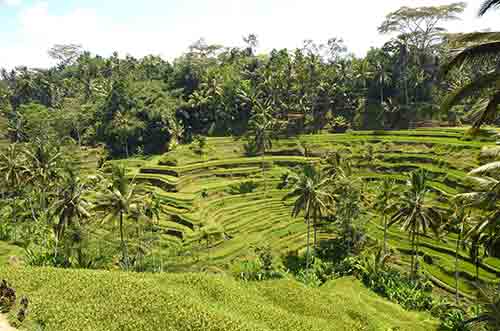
278,23
11,3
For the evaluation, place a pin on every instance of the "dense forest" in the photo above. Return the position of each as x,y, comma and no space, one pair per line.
374,175
146,105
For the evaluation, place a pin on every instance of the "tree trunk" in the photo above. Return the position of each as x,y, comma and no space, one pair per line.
385,234
315,238
308,239
123,243
456,266
264,171
416,252
412,253
126,149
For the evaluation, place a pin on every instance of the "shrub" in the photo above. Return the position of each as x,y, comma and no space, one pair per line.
453,320
243,188
308,278
167,160
411,294
260,267
200,142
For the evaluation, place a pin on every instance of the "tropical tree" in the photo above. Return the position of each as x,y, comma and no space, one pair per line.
13,170
337,166
486,198
116,201
71,204
480,49
312,199
262,128
414,213
459,221
387,194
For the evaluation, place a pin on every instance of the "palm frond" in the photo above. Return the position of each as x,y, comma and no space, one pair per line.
477,37
485,81
492,152
477,54
488,5
486,168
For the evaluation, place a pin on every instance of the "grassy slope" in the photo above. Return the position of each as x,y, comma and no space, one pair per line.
67,300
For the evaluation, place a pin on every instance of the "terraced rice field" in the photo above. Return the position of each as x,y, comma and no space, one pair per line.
202,195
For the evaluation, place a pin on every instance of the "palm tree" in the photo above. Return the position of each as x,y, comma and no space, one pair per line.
459,219
13,173
387,192
117,200
311,198
383,77
337,166
415,214
483,48
43,162
261,129
71,203
487,198
489,316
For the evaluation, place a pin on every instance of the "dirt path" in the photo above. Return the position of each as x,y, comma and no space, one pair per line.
4,325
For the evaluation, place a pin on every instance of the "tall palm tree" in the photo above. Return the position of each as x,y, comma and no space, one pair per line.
384,77
13,170
311,199
117,200
459,220
261,128
415,215
489,316
337,166
481,48
71,203
487,198
387,192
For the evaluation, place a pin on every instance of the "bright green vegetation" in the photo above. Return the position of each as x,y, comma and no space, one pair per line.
202,192
128,301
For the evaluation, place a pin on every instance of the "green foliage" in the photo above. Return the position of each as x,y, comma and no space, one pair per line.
244,187
168,160
411,294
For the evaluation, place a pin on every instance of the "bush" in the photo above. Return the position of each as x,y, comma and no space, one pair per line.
453,320
243,188
261,267
308,278
167,160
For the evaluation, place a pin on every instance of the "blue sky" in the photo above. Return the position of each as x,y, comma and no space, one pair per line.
28,28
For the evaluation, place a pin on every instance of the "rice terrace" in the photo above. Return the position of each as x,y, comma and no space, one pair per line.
248,187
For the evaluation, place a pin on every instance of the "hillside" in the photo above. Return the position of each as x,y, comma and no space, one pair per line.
67,300
205,193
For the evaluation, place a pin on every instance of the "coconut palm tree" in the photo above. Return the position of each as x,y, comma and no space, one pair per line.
384,77
487,197
387,193
489,316
261,130
414,213
71,203
13,170
116,201
481,48
311,199
337,166
459,219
